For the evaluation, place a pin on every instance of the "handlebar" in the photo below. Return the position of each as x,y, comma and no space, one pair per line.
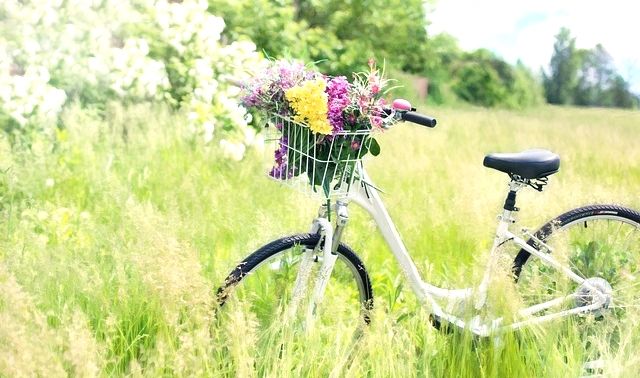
402,109
418,118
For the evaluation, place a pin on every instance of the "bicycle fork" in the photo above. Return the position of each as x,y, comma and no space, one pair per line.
331,239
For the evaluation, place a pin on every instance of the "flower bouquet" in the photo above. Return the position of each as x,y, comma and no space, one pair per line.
324,123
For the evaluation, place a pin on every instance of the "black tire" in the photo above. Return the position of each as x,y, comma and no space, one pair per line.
279,247
600,243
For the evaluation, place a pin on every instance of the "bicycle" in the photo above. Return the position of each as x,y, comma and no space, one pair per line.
581,263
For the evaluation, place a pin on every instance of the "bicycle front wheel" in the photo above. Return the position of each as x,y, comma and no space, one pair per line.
600,243
261,287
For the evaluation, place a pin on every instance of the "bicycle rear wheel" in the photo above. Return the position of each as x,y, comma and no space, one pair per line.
600,243
261,287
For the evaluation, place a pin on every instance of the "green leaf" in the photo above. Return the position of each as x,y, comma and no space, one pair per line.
374,147
326,186
341,150
363,150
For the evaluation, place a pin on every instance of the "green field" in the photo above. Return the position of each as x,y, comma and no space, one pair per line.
114,238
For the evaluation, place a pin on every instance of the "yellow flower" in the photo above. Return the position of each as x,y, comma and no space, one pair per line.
310,104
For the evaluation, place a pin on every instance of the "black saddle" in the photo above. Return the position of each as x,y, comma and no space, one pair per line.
529,164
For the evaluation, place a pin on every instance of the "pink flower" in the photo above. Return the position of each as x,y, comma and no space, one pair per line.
376,121
363,102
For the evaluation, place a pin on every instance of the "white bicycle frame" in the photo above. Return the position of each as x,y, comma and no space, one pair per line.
367,197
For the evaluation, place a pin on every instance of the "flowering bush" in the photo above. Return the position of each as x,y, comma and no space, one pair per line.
29,98
80,49
325,122
53,52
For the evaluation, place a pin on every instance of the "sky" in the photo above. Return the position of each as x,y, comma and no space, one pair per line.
526,29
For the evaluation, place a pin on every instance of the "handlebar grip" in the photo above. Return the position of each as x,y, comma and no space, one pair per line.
420,119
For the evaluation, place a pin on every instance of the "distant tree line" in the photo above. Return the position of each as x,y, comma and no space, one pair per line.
585,77
341,35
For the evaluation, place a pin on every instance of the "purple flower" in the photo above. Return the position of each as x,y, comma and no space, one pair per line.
281,170
281,153
338,92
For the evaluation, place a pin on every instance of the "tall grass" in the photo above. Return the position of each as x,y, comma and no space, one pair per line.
114,238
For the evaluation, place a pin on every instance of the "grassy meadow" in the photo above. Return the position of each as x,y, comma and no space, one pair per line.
114,239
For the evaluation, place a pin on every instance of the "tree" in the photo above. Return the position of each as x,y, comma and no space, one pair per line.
599,84
442,52
526,89
483,78
584,77
595,77
560,83
341,36
393,30
478,81
269,24
620,94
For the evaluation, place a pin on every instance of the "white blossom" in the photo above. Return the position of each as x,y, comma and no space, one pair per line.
88,43
232,150
209,127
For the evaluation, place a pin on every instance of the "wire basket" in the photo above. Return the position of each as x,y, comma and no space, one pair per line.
316,164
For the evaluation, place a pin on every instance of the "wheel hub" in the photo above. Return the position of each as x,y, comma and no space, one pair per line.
591,292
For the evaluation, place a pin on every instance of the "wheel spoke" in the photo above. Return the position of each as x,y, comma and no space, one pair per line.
628,239
626,287
633,305
602,246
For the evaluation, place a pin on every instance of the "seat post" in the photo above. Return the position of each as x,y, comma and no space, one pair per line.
510,201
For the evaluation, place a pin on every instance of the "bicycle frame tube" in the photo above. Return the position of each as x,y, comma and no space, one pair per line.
367,197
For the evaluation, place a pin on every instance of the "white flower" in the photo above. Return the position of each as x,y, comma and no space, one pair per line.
53,100
209,127
249,136
258,142
212,28
20,86
202,68
232,150
49,183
